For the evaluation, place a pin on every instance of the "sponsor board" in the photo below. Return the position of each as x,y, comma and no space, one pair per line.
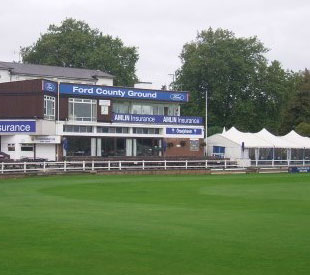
13,126
299,169
157,119
117,92
183,131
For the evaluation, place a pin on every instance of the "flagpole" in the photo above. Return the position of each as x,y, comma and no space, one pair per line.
206,126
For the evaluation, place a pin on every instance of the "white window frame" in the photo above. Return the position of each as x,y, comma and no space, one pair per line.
93,109
53,100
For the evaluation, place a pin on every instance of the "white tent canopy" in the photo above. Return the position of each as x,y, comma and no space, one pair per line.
293,137
277,142
264,139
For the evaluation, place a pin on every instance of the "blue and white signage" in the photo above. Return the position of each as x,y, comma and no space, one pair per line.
183,131
49,86
17,126
299,169
130,118
119,92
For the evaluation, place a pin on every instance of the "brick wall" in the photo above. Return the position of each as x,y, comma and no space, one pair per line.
180,147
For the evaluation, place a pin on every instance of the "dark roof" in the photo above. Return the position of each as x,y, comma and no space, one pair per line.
52,71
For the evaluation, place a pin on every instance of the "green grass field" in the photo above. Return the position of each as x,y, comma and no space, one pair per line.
91,224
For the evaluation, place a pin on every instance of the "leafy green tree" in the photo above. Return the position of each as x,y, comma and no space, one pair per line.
243,90
75,44
303,128
297,113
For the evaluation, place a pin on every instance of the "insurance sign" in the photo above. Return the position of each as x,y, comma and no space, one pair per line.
157,119
13,126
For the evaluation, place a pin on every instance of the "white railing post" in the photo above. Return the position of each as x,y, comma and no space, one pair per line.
2,167
120,165
303,162
225,163
142,164
272,163
83,165
44,167
92,165
256,162
165,165
25,167
186,164
109,165
206,163
65,166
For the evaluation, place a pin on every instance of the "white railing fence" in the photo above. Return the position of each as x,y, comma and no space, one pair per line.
81,166
280,163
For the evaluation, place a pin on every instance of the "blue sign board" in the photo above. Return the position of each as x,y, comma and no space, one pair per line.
299,169
17,126
120,92
183,131
131,118
49,86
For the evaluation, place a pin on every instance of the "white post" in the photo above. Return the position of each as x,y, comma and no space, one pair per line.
25,167
165,165
65,166
109,165
83,165
225,164
92,165
44,167
186,164
2,168
120,165
206,163
142,164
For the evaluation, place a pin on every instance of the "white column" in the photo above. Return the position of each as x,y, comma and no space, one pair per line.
93,147
99,147
160,146
134,147
128,147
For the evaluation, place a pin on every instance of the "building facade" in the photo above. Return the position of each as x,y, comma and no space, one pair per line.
45,119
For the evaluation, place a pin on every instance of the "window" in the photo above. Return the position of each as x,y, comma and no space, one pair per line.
121,108
146,131
78,129
49,107
11,147
27,147
82,109
113,130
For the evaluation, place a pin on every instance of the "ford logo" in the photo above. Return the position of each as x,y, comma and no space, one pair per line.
177,97
50,87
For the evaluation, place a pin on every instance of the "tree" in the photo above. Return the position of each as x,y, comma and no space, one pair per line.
243,90
297,113
75,44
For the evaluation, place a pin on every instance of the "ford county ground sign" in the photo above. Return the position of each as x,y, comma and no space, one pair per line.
13,126
117,92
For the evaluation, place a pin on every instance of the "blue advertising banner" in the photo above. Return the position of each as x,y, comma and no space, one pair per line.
299,169
49,86
131,118
183,131
17,126
120,92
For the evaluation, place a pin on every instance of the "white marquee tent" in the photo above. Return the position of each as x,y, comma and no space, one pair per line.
261,147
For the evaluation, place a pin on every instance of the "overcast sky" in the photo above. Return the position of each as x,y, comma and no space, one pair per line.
160,28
